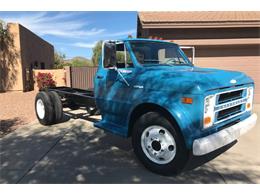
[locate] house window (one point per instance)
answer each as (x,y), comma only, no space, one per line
(35,65)
(42,65)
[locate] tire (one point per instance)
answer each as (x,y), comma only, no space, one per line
(44,108)
(158,144)
(57,106)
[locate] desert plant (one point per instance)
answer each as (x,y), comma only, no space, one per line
(59,60)
(45,80)
(96,53)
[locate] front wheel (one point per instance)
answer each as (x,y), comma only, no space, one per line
(158,144)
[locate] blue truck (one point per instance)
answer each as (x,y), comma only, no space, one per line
(150,91)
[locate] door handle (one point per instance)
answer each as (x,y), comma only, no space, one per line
(99,77)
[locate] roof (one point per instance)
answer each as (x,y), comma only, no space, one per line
(216,42)
(200,19)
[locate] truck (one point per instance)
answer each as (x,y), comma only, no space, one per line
(150,90)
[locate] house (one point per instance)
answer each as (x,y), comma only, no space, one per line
(225,40)
(21,52)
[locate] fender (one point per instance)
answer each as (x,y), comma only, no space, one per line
(176,110)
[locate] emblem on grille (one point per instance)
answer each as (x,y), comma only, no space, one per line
(233,81)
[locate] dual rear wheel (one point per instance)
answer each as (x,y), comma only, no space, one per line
(48,108)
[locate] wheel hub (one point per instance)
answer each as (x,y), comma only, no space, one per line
(158,144)
(40,109)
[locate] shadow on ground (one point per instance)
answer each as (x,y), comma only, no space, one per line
(76,152)
(9,125)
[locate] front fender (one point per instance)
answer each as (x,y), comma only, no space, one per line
(186,116)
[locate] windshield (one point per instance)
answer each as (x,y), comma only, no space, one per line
(150,53)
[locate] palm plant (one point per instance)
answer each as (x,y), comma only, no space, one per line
(4,35)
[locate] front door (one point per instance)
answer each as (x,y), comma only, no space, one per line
(113,80)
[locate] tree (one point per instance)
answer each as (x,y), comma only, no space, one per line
(96,53)
(59,60)
(8,58)
(4,36)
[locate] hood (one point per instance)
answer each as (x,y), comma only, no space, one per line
(193,80)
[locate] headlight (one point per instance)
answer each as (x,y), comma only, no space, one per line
(250,95)
(209,103)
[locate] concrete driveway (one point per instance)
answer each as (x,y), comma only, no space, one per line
(76,152)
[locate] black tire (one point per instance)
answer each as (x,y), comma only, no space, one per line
(181,157)
(47,118)
(57,106)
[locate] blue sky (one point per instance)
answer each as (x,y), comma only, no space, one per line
(75,33)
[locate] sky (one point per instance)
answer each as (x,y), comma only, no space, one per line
(75,33)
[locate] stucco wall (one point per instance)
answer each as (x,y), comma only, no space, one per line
(24,51)
(34,49)
(11,77)
(35,53)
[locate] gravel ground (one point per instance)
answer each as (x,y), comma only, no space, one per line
(16,109)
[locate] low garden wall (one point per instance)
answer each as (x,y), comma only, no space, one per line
(58,75)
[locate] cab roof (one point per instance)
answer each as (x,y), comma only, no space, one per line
(143,39)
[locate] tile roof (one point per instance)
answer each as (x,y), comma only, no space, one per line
(201,17)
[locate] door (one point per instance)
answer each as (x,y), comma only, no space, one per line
(113,82)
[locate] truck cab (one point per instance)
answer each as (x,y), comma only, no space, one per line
(141,82)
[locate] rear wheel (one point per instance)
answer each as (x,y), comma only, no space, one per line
(44,108)
(158,145)
(57,106)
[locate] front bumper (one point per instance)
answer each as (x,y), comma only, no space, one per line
(219,139)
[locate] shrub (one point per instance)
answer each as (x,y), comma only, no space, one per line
(45,80)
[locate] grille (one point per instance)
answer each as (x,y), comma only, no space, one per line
(228,112)
(230,96)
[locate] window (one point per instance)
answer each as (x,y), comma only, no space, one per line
(42,65)
(158,53)
(117,54)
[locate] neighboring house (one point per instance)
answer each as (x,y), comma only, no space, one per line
(224,40)
(23,52)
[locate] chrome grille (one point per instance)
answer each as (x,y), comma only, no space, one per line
(228,112)
(229,96)
(230,104)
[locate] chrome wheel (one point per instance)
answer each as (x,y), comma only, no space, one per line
(158,144)
(40,109)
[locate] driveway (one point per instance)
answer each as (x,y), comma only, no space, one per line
(76,152)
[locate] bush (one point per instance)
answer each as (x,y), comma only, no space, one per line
(45,80)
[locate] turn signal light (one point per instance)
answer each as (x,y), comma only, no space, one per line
(248,105)
(186,100)
(207,120)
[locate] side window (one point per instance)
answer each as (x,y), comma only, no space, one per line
(129,62)
(123,59)
(120,56)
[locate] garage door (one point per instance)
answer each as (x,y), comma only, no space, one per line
(238,58)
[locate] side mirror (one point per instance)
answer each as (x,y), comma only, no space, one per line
(109,54)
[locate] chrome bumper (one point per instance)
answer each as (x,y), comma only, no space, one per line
(217,140)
